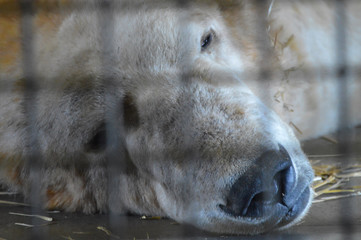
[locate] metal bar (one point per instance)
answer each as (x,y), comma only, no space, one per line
(188,178)
(116,157)
(345,133)
(6,84)
(263,44)
(34,159)
(265,71)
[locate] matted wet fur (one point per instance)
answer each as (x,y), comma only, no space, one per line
(197,131)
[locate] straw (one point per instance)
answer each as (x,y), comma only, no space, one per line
(330,180)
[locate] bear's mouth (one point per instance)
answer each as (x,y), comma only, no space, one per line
(262,204)
(273,209)
(298,208)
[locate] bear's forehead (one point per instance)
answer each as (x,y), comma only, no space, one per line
(152,22)
(151,40)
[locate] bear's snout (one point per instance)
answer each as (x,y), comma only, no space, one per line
(267,183)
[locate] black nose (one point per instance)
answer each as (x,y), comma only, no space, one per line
(262,186)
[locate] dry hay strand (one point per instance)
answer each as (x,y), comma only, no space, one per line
(330,182)
(14,203)
(108,232)
(45,218)
(151,217)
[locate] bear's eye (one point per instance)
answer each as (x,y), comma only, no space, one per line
(207,40)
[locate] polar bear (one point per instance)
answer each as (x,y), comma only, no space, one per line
(192,111)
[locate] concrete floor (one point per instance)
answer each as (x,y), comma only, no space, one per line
(337,219)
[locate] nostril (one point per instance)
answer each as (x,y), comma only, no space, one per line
(287,179)
(256,192)
(272,194)
(283,183)
(265,197)
(287,173)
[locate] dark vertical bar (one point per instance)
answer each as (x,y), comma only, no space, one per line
(266,71)
(113,112)
(188,177)
(263,42)
(264,74)
(33,161)
(344,134)
(184,4)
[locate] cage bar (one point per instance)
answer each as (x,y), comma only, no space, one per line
(115,143)
(34,158)
(345,133)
